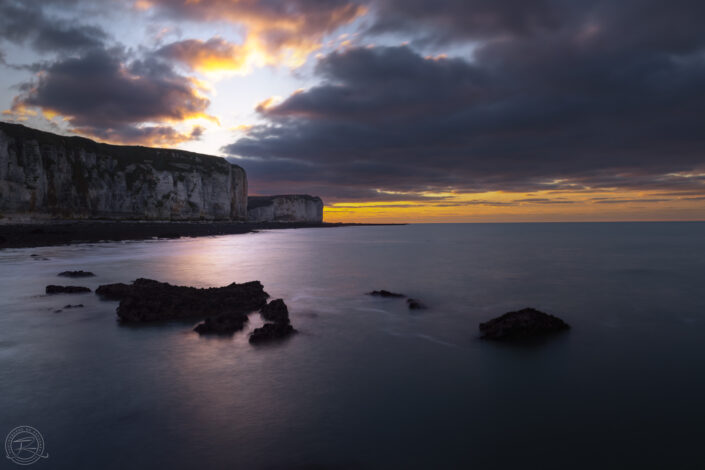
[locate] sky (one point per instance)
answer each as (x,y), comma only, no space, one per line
(390,110)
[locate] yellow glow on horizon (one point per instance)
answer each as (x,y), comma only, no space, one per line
(537,206)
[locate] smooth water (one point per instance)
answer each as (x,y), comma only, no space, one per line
(367,383)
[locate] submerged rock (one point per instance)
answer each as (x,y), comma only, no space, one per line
(275,311)
(51,289)
(525,323)
(147,300)
(222,324)
(271,332)
(415,304)
(76,274)
(73,306)
(384,293)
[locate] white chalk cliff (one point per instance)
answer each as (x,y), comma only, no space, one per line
(285,208)
(47,175)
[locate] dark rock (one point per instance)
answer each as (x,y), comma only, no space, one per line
(271,332)
(222,324)
(115,291)
(76,274)
(275,311)
(147,300)
(384,293)
(66,289)
(525,323)
(73,306)
(415,304)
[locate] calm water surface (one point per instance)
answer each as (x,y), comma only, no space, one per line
(367,383)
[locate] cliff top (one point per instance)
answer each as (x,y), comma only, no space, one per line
(253,202)
(124,154)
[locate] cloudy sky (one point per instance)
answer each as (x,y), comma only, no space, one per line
(391,110)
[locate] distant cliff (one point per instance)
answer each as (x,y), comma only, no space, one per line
(285,208)
(47,175)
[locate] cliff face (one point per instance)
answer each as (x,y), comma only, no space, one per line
(285,208)
(47,175)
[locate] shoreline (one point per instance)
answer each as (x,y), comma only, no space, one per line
(32,235)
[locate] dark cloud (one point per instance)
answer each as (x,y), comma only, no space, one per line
(106,94)
(27,21)
(585,99)
(454,20)
(647,22)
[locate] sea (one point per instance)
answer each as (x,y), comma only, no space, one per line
(366,382)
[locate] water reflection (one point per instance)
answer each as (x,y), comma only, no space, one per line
(366,383)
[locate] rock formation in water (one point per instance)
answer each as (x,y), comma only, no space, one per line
(275,311)
(146,300)
(277,326)
(44,175)
(52,289)
(285,208)
(222,324)
(80,273)
(384,293)
(522,324)
(270,332)
(415,304)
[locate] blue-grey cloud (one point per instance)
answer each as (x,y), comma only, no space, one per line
(585,98)
(28,21)
(108,94)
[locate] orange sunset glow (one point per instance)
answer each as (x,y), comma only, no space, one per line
(528,207)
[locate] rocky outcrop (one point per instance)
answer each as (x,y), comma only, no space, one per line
(69,306)
(275,311)
(43,175)
(522,324)
(146,300)
(222,324)
(278,326)
(384,293)
(415,304)
(79,273)
(270,332)
(285,208)
(52,289)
